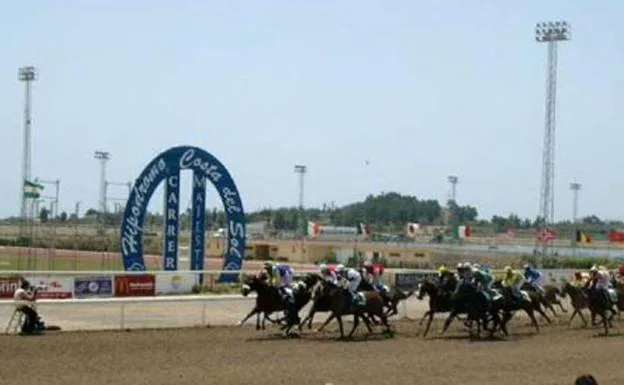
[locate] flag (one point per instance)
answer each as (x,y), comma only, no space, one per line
(546,235)
(582,237)
(32,189)
(364,229)
(616,236)
(462,232)
(411,229)
(314,229)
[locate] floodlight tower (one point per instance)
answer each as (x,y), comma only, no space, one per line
(575,187)
(550,33)
(452,179)
(103,157)
(27,75)
(301,170)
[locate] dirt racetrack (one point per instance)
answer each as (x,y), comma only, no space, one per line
(230,355)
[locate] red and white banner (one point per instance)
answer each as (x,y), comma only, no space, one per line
(8,286)
(53,287)
(546,235)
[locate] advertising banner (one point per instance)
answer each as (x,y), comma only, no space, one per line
(93,287)
(135,285)
(8,286)
(176,283)
(53,287)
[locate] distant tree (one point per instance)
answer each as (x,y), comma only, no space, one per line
(63,217)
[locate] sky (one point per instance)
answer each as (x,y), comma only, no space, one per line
(373,96)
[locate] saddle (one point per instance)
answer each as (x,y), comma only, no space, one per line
(613,295)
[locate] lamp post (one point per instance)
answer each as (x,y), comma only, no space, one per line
(550,33)
(27,75)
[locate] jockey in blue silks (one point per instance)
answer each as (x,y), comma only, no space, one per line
(536,278)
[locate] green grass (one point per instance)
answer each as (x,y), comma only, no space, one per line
(62,263)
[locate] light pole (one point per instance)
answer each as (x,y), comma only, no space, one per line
(103,157)
(301,170)
(575,187)
(27,75)
(550,33)
(452,179)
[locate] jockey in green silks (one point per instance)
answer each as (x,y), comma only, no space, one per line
(484,279)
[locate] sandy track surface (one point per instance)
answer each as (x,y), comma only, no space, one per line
(230,355)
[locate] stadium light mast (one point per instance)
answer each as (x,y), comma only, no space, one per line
(550,33)
(103,157)
(27,75)
(452,179)
(575,187)
(301,171)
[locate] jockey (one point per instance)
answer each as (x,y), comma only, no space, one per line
(580,279)
(484,280)
(373,275)
(600,280)
(447,279)
(353,278)
(329,273)
(285,274)
(513,280)
(467,271)
(535,277)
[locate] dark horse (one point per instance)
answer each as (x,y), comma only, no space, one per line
(578,299)
(342,304)
(269,299)
(549,297)
(440,300)
(470,300)
(599,303)
(509,304)
(391,298)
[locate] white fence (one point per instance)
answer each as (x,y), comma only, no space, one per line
(8,305)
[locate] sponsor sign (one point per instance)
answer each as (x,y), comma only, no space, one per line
(176,283)
(8,286)
(52,287)
(135,285)
(89,287)
(409,281)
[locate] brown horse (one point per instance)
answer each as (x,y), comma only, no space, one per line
(440,301)
(342,304)
(578,299)
(265,304)
(548,297)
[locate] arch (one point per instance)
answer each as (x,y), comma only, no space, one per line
(166,167)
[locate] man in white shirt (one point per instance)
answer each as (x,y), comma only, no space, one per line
(24,302)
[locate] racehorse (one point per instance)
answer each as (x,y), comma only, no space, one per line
(578,299)
(509,304)
(269,299)
(548,297)
(599,304)
(440,301)
(391,298)
(341,303)
(468,299)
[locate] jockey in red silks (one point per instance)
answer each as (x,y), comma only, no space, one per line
(373,274)
(329,273)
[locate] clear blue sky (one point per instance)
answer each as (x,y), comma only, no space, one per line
(421,89)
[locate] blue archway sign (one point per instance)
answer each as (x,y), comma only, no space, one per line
(166,167)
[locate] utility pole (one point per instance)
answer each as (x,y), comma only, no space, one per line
(301,171)
(550,33)
(452,179)
(77,210)
(103,157)
(27,75)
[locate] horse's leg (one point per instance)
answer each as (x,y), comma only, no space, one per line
(367,323)
(574,313)
(331,317)
(542,313)
(506,317)
(548,305)
(558,302)
(534,322)
(340,326)
(356,323)
(429,321)
(251,313)
(427,313)
(310,316)
(448,321)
